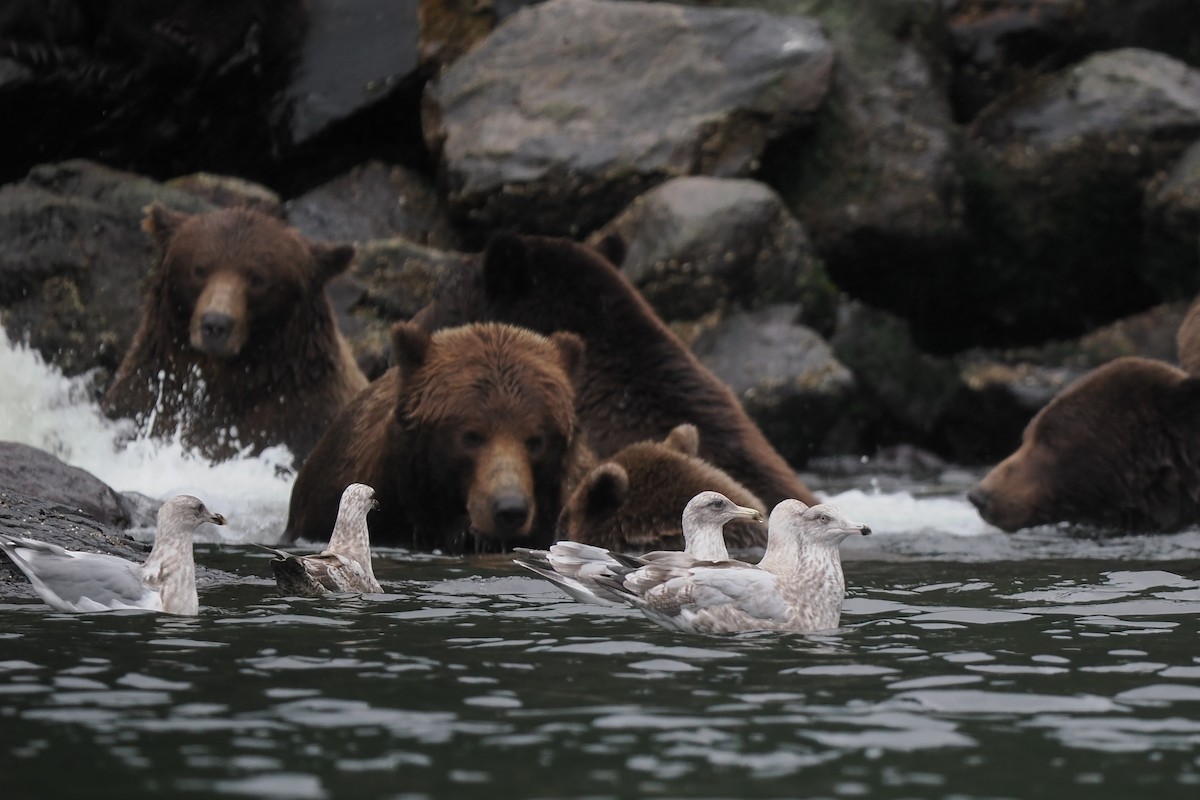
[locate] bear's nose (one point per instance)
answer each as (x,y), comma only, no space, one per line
(215,329)
(510,511)
(980,499)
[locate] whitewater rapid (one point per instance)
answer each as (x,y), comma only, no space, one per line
(41,407)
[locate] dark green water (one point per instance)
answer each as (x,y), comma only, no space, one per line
(1042,677)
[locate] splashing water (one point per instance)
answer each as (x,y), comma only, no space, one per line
(44,409)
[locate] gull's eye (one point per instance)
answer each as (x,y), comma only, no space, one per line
(717,504)
(824,519)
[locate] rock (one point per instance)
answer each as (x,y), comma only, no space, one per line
(28,470)
(557,139)
(373,201)
(786,376)
(876,181)
(1171,215)
(1056,186)
(395,278)
(696,245)
(1000,44)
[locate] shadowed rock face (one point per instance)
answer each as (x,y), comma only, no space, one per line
(652,91)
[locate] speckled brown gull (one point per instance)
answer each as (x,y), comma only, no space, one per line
(344,566)
(576,567)
(69,580)
(798,585)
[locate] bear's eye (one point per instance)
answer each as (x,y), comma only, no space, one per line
(472,439)
(256,281)
(200,272)
(535,445)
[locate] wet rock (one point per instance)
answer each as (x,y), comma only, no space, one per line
(1171,214)
(1056,185)
(698,245)
(558,139)
(374,201)
(28,470)
(786,376)
(876,182)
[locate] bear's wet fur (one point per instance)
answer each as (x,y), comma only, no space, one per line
(633,502)
(238,346)
(1117,449)
(640,380)
(470,436)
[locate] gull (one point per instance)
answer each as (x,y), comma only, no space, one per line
(797,586)
(576,567)
(69,580)
(343,566)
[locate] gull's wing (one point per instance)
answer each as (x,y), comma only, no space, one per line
(75,581)
(716,597)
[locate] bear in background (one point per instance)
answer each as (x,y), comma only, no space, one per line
(1118,448)
(472,434)
(640,380)
(238,346)
(633,502)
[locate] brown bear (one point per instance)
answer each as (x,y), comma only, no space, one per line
(238,345)
(640,380)
(1118,448)
(633,502)
(472,432)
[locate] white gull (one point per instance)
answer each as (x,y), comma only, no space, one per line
(69,580)
(345,565)
(576,567)
(798,585)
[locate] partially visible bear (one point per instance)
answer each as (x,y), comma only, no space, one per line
(1118,448)
(238,346)
(633,502)
(640,380)
(471,435)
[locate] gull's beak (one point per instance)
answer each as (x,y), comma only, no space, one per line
(752,513)
(216,519)
(374,504)
(865,530)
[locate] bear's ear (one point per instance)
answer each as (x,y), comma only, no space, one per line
(506,267)
(684,439)
(612,247)
(161,222)
(570,352)
(410,346)
(332,259)
(607,488)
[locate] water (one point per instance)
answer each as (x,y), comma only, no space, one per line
(970,664)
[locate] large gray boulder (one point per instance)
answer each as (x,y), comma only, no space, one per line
(1056,186)
(876,182)
(786,376)
(35,472)
(571,108)
(1171,215)
(698,245)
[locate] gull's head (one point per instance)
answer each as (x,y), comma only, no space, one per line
(713,509)
(359,499)
(188,512)
(819,524)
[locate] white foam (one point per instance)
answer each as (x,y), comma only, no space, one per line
(42,408)
(901,512)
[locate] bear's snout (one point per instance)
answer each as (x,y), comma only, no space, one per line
(215,330)
(219,321)
(500,501)
(510,510)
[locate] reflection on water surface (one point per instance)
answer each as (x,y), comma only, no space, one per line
(964,679)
